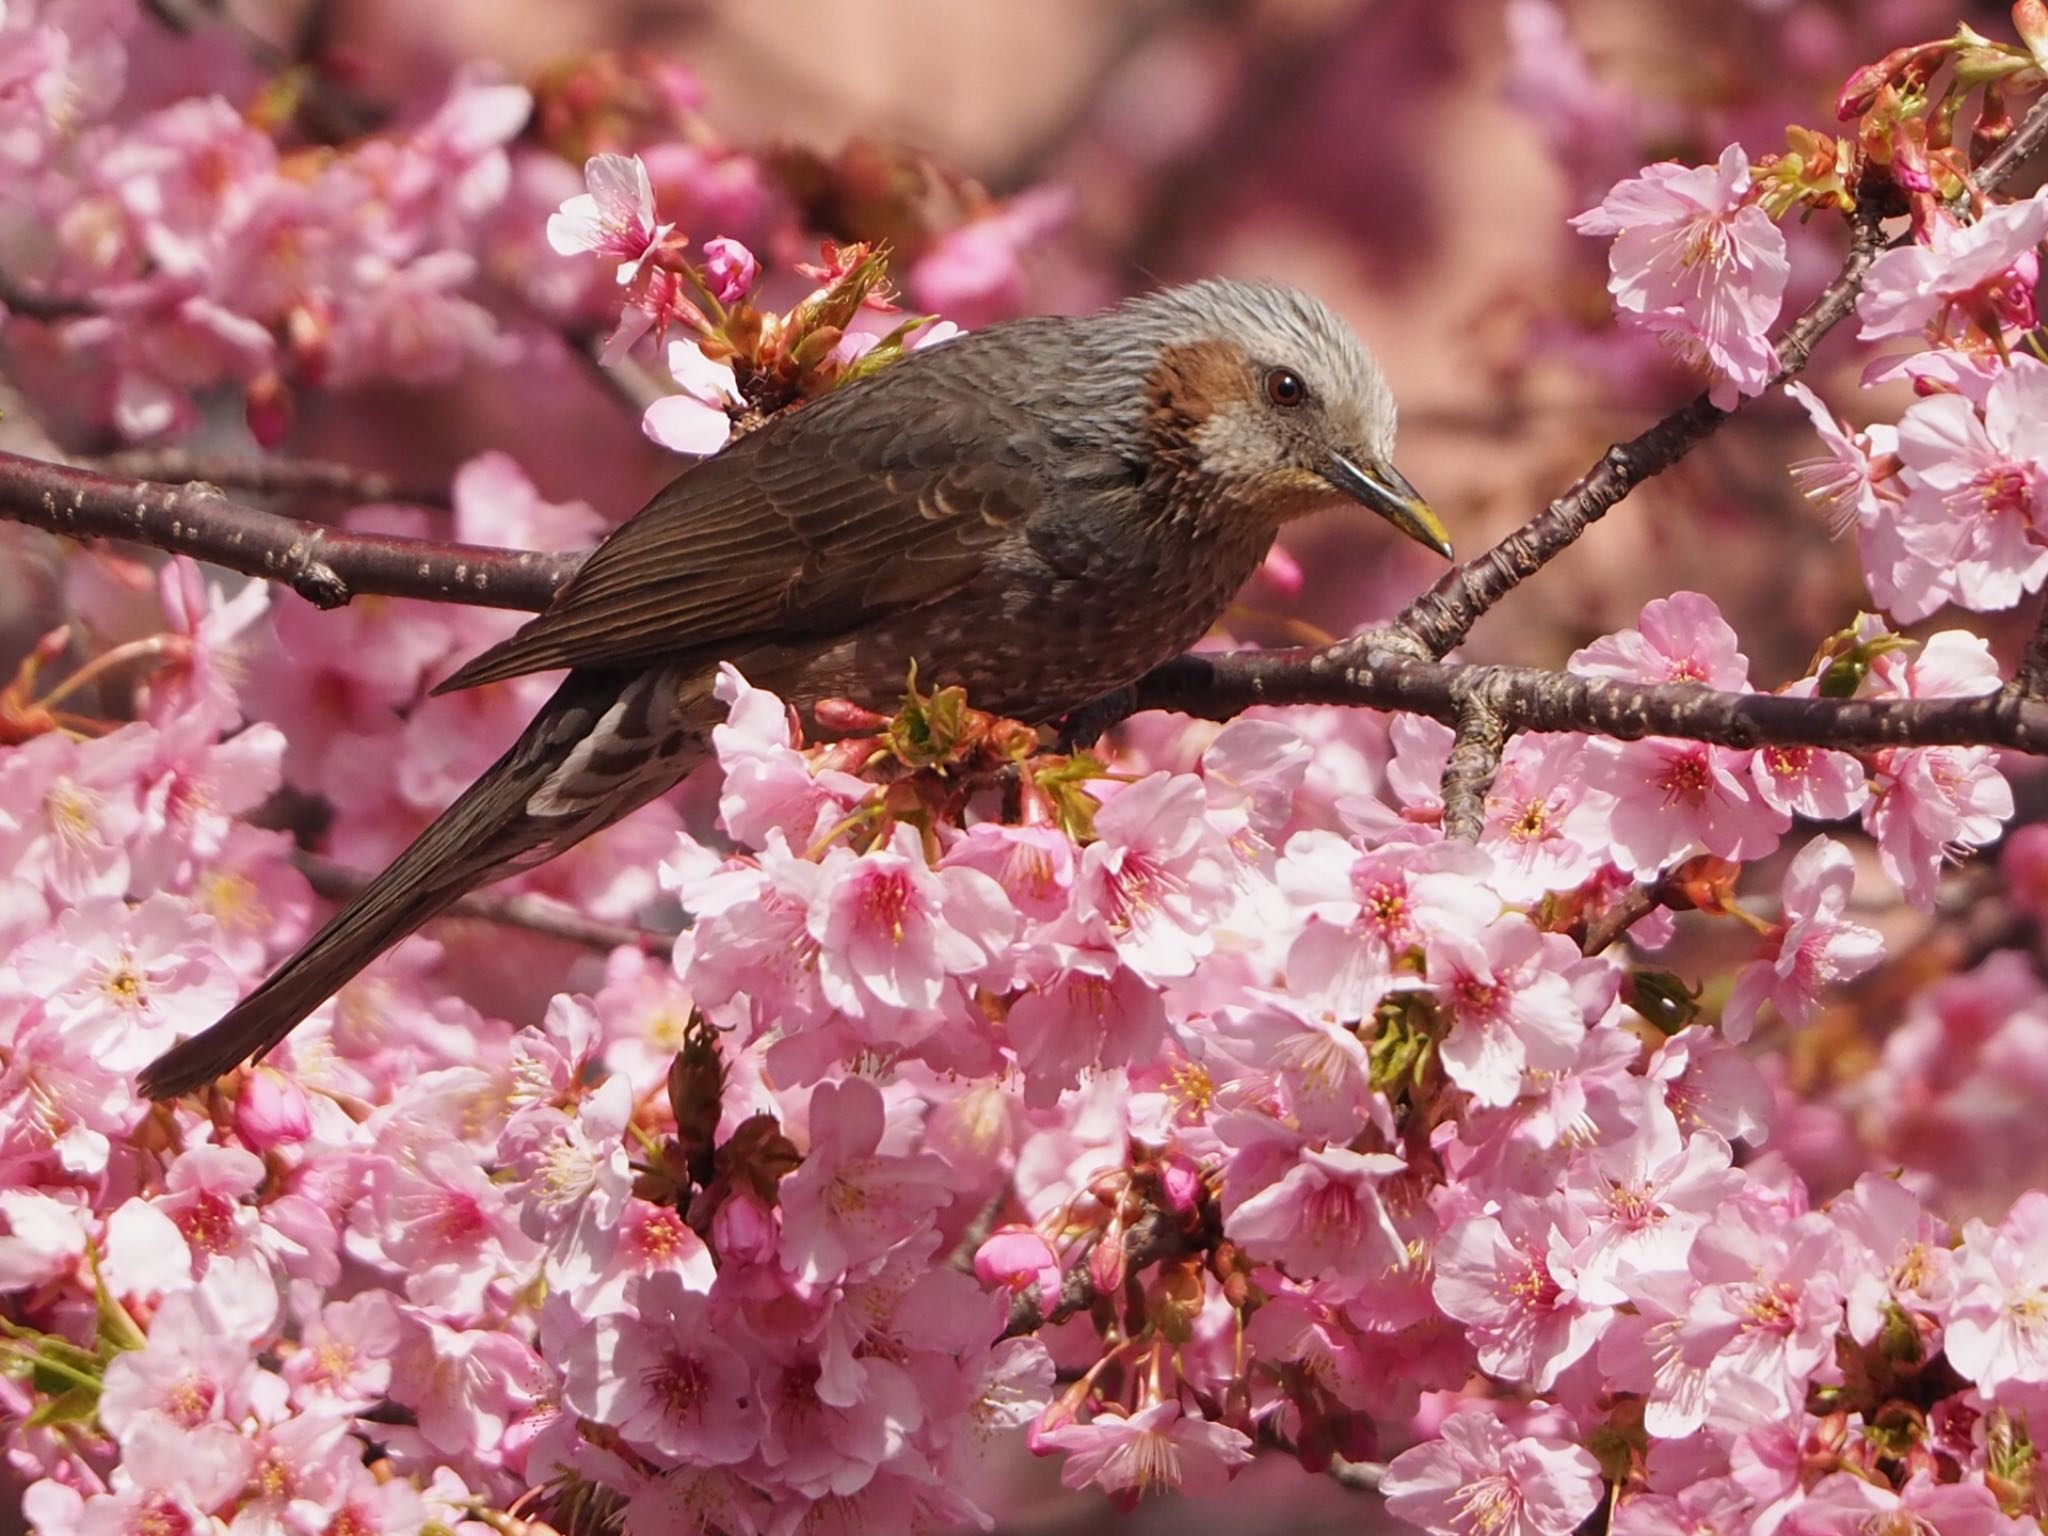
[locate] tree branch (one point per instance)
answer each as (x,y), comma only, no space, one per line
(1218,686)
(1469,771)
(269,477)
(330,567)
(324,565)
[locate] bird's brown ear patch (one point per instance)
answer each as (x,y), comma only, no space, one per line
(1189,384)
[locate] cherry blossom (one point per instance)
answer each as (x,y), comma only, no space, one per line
(1479,1477)
(615,217)
(1811,946)
(1962,269)
(1696,260)
(1156,1449)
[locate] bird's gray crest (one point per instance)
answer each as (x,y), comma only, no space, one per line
(1284,327)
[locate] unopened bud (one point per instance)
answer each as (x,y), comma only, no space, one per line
(271,1111)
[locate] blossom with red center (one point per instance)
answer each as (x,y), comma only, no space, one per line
(892,931)
(1672,798)
(1509,1277)
(1812,945)
(1678,639)
(662,1375)
(1974,482)
(1511,1006)
(1931,805)
(1854,483)
(1324,1216)
(1154,880)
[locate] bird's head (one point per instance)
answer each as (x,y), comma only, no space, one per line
(1276,403)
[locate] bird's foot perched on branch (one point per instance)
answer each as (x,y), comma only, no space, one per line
(1092,721)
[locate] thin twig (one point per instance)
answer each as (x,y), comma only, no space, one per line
(1469,771)
(535,914)
(22,303)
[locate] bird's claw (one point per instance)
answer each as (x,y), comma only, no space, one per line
(1088,724)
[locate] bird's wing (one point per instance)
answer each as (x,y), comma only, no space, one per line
(813,524)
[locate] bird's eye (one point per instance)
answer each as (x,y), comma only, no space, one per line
(1284,387)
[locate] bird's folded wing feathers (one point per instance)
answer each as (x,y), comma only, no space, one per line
(813,524)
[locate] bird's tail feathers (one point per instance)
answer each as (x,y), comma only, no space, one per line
(482,833)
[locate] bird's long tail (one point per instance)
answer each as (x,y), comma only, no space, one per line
(584,762)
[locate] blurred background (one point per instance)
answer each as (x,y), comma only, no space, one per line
(1411,161)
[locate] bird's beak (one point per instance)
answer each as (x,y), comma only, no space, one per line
(1382,487)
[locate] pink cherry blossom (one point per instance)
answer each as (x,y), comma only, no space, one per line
(1929,805)
(662,1376)
(1695,259)
(1681,639)
(974,272)
(1510,1278)
(890,929)
(1478,1479)
(1972,484)
(1853,484)
(1154,878)
(699,419)
(1511,1008)
(1811,947)
(851,1202)
(1158,1449)
(1961,269)
(1674,798)
(615,217)
(1843,1504)
(1544,828)
(1324,1216)
(2001,1286)
(132,980)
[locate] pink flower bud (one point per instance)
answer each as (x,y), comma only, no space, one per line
(729,269)
(1183,1184)
(743,1231)
(271,1111)
(1015,1258)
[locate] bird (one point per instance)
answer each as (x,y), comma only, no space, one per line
(1040,511)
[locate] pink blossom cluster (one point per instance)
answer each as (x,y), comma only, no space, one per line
(1947,503)
(1336,1105)
(204,254)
